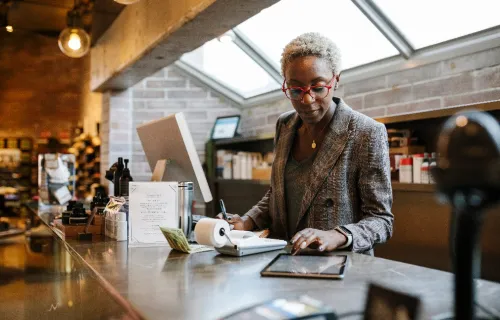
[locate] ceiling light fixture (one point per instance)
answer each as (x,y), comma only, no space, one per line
(74,41)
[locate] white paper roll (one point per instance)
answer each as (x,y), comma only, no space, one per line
(207,232)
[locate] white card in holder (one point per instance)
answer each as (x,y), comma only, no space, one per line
(151,204)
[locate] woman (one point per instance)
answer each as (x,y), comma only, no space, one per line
(330,184)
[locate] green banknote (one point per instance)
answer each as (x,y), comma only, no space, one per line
(178,241)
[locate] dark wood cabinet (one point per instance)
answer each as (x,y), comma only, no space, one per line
(238,195)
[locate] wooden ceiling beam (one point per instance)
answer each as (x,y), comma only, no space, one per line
(150,35)
(37,17)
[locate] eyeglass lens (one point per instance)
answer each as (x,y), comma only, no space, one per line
(298,94)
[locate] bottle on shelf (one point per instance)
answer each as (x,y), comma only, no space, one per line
(432,165)
(424,178)
(406,170)
(117,176)
(125,180)
(418,160)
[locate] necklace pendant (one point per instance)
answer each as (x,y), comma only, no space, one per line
(313,145)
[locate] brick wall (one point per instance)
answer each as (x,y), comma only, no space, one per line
(468,79)
(91,103)
(162,94)
(105,145)
(116,130)
(40,88)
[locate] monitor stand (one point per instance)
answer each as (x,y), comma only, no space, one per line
(160,170)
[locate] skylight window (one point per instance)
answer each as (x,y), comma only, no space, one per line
(358,39)
(228,64)
(423,23)
(428,22)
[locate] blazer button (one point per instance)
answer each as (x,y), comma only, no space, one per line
(329,203)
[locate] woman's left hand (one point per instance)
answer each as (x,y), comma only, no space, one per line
(314,238)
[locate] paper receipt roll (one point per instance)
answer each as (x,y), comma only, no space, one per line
(208,232)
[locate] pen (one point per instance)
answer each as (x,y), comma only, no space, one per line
(223,208)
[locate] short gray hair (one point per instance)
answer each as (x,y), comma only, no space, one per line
(312,44)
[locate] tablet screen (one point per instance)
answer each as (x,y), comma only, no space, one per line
(303,265)
(225,127)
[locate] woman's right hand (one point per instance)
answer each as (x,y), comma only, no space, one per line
(239,223)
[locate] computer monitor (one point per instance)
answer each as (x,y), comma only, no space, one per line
(169,138)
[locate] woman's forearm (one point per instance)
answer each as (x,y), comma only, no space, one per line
(248,223)
(259,214)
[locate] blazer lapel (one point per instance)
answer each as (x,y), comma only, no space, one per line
(283,147)
(328,154)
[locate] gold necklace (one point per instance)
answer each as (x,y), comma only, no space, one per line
(313,144)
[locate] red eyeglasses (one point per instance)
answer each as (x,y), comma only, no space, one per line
(298,93)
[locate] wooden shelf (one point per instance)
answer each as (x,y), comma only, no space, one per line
(407,150)
(244,139)
(413,187)
(446,112)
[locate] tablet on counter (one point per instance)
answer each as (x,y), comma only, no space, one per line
(307,266)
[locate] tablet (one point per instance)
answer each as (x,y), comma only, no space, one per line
(307,266)
(225,127)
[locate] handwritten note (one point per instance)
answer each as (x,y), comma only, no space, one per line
(152,204)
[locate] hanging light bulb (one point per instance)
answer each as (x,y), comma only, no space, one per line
(9,28)
(126,2)
(74,41)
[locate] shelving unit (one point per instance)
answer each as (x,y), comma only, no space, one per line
(427,125)
(237,194)
(87,150)
(18,172)
(240,195)
(421,223)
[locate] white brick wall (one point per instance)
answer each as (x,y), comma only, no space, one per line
(464,80)
(262,119)
(116,131)
(468,79)
(159,95)
(104,132)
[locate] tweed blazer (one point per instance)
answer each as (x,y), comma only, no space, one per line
(349,184)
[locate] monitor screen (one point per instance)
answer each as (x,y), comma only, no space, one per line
(225,127)
(169,139)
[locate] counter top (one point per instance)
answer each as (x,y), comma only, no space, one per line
(164,284)
(41,279)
